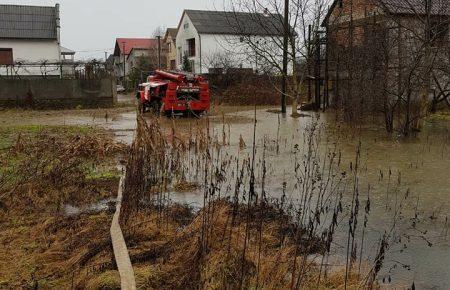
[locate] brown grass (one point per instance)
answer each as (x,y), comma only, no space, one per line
(172,255)
(42,171)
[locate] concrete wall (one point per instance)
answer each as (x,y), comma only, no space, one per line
(58,93)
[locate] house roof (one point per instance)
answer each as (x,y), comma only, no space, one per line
(235,23)
(130,43)
(28,22)
(66,51)
(172,32)
(439,7)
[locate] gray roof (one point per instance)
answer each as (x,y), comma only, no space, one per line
(66,51)
(408,7)
(172,32)
(28,22)
(438,7)
(236,23)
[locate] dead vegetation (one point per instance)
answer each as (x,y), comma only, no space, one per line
(241,239)
(245,89)
(43,170)
(173,254)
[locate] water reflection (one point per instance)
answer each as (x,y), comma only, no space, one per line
(416,168)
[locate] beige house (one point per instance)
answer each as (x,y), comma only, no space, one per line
(170,45)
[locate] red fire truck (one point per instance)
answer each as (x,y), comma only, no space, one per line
(173,93)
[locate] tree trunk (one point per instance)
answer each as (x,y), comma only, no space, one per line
(294,106)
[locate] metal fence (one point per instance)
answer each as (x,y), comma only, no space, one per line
(62,70)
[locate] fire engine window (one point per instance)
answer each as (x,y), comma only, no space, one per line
(191,47)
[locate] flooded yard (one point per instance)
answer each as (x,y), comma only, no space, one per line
(409,179)
(409,183)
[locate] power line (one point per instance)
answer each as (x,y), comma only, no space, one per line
(95,50)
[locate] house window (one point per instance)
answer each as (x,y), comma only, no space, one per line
(173,64)
(169,47)
(186,25)
(6,56)
(191,47)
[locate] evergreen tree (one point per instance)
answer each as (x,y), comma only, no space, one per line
(186,66)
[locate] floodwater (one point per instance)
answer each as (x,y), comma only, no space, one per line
(419,249)
(419,165)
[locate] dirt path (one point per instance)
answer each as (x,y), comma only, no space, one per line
(127,279)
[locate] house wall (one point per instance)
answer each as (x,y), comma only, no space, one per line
(220,51)
(171,54)
(32,51)
(360,9)
(386,60)
(119,67)
(187,31)
(132,59)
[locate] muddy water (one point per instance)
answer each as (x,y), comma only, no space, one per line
(419,254)
(419,168)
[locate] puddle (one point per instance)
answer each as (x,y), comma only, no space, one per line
(102,205)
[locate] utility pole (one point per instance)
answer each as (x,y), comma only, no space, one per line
(159,51)
(124,60)
(285,56)
(317,76)
(308,63)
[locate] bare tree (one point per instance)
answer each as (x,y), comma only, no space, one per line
(406,47)
(268,46)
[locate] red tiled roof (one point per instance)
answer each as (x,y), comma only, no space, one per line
(131,43)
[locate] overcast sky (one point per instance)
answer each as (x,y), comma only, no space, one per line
(91,26)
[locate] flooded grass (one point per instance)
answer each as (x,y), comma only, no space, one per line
(231,235)
(286,206)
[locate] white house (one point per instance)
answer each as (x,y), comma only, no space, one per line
(218,40)
(29,34)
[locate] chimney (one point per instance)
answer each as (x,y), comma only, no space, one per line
(58,23)
(58,30)
(266,12)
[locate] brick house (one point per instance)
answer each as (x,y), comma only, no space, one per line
(170,48)
(378,51)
